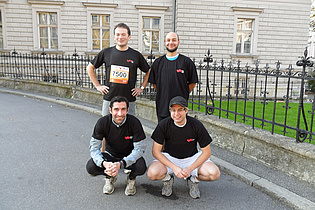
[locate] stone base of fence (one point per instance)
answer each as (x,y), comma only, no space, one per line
(276,151)
(60,90)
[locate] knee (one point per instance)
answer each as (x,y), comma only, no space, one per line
(151,173)
(216,175)
(91,168)
(209,172)
(154,173)
(141,166)
(142,169)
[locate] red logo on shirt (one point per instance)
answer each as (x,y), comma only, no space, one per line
(180,71)
(190,140)
(128,137)
(130,61)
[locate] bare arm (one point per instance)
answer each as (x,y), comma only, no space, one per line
(91,72)
(146,78)
(191,86)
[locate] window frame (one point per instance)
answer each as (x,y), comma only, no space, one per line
(243,32)
(246,13)
(99,9)
(49,26)
(36,38)
(151,30)
(100,28)
(151,11)
(4,36)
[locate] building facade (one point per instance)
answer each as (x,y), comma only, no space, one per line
(249,30)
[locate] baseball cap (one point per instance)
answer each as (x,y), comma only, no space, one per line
(179,100)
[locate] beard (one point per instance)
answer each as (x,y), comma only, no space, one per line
(173,50)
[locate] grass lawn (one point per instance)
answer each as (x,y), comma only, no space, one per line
(265,111)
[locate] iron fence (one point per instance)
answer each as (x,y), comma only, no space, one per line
(248,94)
(259,96)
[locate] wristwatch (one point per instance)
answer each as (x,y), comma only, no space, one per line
(142,88)
(122,164)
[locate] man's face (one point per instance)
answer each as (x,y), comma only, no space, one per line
(178,114)
(171,42)
(121,37)
(119,112)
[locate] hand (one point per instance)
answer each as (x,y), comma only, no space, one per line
(136,91)
(111,169)
(178,172)
(186,172)
(103,89)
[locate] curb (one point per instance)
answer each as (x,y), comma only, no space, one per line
(282,194)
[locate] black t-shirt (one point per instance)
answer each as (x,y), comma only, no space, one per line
(172,79)
(181,142)
(119,140)
(121,70)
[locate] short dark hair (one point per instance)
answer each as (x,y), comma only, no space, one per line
(118,99)
(123,25)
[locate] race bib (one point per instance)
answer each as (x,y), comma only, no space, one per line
(119,74)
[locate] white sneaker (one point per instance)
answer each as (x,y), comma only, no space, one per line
(109,187)
(167,186)
(127,171)
(131,187)
(193,189)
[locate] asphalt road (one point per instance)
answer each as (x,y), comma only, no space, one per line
(43,152)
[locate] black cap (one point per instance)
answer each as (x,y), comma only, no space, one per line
(179,100)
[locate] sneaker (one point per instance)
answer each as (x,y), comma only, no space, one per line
(109,187)
(167,186)
(131,187)
(127,171)
(193,189)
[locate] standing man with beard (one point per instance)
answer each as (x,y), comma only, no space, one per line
(172,75)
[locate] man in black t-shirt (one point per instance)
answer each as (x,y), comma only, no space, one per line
(180,134)
(172,75)
(125,146)
(121,64)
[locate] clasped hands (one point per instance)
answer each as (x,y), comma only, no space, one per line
(111,169)
(182,173)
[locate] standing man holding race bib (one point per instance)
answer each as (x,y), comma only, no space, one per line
(121,63)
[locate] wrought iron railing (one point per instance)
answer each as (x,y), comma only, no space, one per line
(220,85)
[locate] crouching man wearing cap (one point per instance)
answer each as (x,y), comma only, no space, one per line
(180,134)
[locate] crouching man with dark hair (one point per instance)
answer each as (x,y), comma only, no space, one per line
(125,146)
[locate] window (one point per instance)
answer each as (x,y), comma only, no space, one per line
(1,34)
(46,25)
(246,22)
(244,35)
(100,31)
(150,34)
(48,30)
(151,29)
(100,24)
